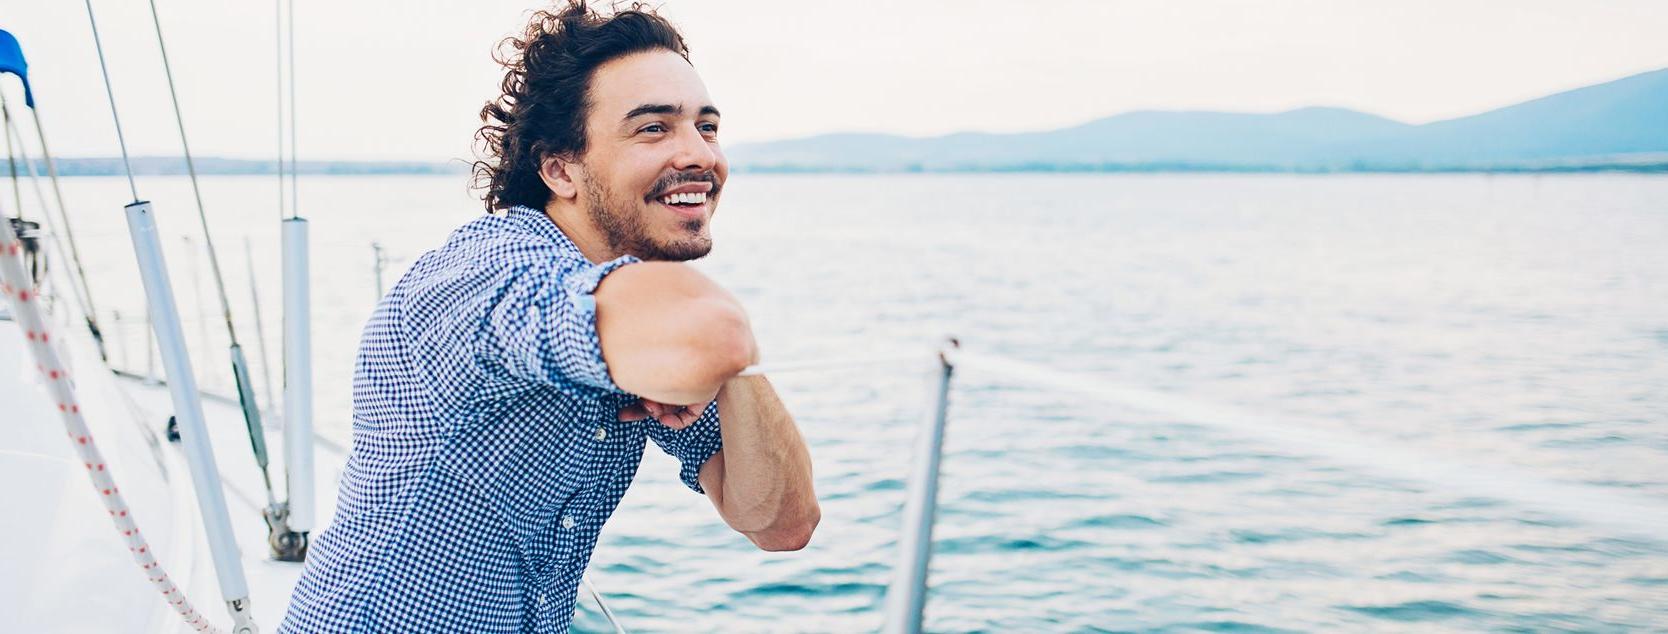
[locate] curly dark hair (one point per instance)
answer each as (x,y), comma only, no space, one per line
(546,92)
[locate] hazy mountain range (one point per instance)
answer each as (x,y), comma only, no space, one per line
(1617,125)
(1621,124)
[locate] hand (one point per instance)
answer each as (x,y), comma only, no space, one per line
(674,416)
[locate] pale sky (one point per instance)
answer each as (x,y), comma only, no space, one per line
(386,79)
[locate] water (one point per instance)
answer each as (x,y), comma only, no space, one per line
(1512,320)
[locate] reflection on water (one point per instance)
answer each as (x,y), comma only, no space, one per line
(1518,319)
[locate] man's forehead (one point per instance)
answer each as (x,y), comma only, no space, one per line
(650,77)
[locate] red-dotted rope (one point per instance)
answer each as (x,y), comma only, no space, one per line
(24,301)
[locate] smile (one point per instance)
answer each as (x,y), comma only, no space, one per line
(685,199)
(689,205)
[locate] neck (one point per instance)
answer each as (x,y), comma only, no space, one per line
(573,222)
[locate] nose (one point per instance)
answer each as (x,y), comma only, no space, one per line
(693,152)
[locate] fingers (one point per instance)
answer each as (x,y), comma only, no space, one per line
(673,416)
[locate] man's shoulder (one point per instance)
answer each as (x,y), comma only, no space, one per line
(507,234)
(488,253)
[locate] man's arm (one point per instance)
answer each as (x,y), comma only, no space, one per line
(670,334)
(761,480)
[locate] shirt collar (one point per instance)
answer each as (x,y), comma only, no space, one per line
(540,223)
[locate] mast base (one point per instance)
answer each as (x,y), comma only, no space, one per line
(286,544)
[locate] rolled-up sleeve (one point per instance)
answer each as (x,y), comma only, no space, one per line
(692,445)
(543,328)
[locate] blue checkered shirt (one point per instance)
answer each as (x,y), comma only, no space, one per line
(486,450)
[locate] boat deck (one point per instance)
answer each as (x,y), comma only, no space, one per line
(71,571)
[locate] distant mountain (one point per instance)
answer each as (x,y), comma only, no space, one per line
(1623,123)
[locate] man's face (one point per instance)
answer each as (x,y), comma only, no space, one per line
(652,168)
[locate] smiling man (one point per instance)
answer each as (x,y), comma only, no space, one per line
(507,386)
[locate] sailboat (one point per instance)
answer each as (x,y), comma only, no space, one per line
(178,518)
(161,454)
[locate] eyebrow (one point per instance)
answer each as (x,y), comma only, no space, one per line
(663,108)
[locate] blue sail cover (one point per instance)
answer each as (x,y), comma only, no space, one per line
(11,61)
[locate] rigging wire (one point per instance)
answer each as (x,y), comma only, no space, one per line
(260,329)
(240,372)
(238,607)
(11,161)
(295,193)
(278,59)
(109,92)
(69,232)
(81,295)
(91,309)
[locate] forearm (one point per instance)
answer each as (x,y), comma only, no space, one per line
(766,491)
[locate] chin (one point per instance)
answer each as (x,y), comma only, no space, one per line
(686,251)
(681,250)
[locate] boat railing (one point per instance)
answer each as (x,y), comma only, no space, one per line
(1603,508)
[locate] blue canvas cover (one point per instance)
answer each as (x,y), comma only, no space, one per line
(11,61)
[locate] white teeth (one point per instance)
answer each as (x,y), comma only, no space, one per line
(685,198)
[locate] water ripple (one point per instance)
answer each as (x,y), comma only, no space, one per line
(1417,611)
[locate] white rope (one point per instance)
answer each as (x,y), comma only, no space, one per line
(1631,514)
(22,297)
(825,364)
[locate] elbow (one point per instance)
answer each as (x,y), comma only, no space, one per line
(670,335)
(712,343)
(795,536)
(723,344)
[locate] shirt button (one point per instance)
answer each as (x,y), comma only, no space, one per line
(567,521)
(541,599)
(601,433)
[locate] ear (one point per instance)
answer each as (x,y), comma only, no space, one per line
(561,176)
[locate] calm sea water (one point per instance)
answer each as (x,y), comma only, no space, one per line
(1513,320)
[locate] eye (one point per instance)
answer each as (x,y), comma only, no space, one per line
(655,128)
(707,127)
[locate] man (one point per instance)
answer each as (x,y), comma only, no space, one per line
(506,387)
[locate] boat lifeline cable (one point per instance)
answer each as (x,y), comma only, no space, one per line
(11,162)
(1609,508)
(182,382)
(78,284)
(21,297)
(240,366)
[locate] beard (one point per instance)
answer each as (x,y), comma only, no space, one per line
(623,225)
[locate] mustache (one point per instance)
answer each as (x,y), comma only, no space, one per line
(683,178)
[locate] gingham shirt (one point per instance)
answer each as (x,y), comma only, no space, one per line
(486,450)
